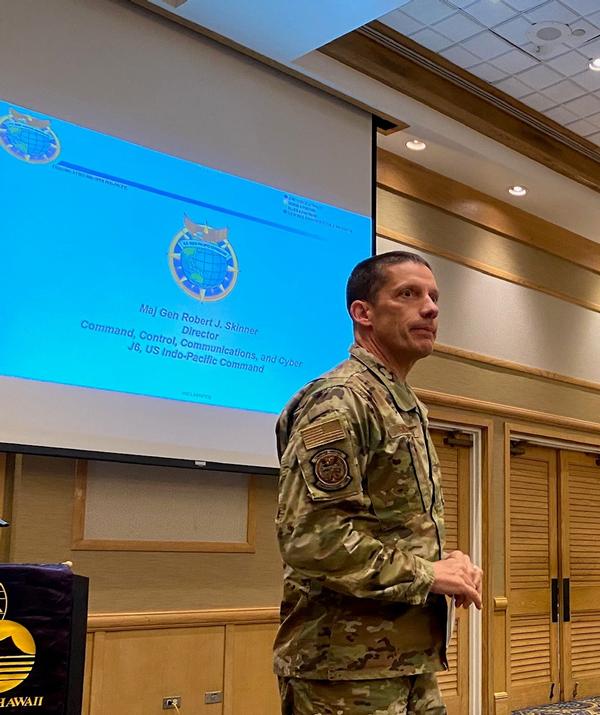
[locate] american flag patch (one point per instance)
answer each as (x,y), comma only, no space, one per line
(323,433)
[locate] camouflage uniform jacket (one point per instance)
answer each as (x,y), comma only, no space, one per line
(359,521)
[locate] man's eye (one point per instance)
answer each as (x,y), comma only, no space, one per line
(406,293)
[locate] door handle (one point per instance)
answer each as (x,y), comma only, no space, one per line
(566,599)
(554,591)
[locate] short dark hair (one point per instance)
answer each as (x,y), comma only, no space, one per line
(368,277)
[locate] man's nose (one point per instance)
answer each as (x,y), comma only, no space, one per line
(430,308)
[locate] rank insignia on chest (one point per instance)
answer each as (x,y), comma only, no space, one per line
(331,469)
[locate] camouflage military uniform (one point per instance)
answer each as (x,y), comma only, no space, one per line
(359,521)
(385,696)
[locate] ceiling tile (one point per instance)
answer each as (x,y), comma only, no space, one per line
(523,4)
(538,101)
(568,64)
(594,18)
(486,45)
(588,79)
(540,77)
(583,127)
(513,86)
(591,31)
(583,7)
(595,138)
(564,91)
(491,13)
(461,3)
(584,106)
(561,115)
(487,72)
(460,56)
(457,27)
(514,30)
(433,40)
(594,119)
(401,22)
(546,52)
(427,11)
(591,48)
(553,11)
(514,61)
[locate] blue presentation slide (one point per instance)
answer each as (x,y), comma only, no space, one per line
(128,270)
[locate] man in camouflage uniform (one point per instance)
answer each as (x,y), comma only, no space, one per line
(360,516)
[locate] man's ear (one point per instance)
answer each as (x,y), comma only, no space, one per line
(360,311)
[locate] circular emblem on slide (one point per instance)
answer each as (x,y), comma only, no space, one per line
(28,138)
(203,262)
(331,469)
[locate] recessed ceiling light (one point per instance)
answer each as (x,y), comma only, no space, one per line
(517,190)
(416,145)
(595,64)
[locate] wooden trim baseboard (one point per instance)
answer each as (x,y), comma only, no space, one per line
(180,619)
(485,268)
(431,397)
(406,178)
(516,367)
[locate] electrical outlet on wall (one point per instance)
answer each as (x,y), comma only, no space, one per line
(172,702)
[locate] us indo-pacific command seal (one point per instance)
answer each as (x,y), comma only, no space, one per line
(202,261)
(28,138)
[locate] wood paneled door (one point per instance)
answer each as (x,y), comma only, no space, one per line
(533,573)
(455,466)
(554,575)
(580,585)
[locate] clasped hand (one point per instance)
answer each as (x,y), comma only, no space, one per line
(456,575)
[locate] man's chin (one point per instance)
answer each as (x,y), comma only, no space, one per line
(425,348)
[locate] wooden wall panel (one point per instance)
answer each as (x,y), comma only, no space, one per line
(250,684)
(134,670)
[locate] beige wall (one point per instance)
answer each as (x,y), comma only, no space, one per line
(139,581)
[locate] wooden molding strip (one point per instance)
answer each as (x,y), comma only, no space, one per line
(541,434)
(180,619)
(500,603)
(406,178)
(211,547)
(431,397)
(485,268)
(380,52)
(469,356)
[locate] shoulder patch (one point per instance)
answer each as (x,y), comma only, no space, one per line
(331,469)
(323,433)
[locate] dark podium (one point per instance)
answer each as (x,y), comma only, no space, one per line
(43,612)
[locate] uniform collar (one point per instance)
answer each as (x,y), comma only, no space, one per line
(403,396)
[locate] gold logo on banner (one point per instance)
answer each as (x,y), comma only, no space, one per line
(17,653)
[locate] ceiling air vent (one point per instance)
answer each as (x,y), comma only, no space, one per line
(545,35)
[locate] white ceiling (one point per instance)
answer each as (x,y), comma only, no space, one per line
(461,153)
(280,29)
(491,39)
(455,150)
